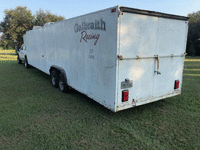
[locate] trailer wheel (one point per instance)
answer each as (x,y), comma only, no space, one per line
(26,63)
(63,84)
(54,78)
(19,61)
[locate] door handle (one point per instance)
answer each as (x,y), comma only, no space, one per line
(157,60)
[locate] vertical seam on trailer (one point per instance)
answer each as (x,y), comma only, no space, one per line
(118,52)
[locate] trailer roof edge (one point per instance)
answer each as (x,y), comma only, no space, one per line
(152,13)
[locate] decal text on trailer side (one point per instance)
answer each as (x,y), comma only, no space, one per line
(96,25)
(85,37)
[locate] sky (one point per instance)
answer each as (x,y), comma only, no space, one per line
(73,8)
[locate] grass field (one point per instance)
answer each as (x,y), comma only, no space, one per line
(34,115)
(6,55)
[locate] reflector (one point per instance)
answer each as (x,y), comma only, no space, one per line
(113,10)
(125,95)
(176,85)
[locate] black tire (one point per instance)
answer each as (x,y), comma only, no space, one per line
(26,65)
(54,78)
(19,61)
(62,83)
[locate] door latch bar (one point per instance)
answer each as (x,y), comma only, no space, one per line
(157,58)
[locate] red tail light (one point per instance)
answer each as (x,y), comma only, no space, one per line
(125,95)
(176,85)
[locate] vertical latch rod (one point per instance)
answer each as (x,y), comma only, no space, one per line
(157,58)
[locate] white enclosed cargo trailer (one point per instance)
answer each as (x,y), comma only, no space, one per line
(121,57)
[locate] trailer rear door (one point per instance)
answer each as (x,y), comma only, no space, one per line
(151,57)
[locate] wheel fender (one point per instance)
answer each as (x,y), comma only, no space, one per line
(59,69)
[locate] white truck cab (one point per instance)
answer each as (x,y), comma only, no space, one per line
(22,56)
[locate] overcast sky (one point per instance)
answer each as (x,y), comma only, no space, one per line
(74,8)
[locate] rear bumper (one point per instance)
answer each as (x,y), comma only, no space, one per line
(139,102)
(153,99)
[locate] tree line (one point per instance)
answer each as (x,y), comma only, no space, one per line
(19,20)
(193,41)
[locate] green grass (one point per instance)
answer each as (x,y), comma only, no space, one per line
(34,115)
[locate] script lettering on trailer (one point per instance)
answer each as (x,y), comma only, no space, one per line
(96,25)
